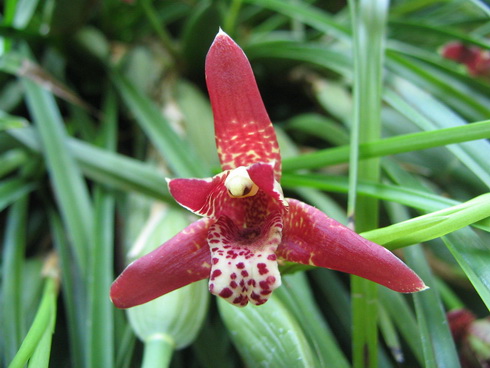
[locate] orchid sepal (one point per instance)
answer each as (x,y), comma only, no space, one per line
(178,262)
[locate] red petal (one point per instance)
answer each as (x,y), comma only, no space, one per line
(311,237)
(262,174)
(180,261)
(244,133)
(204,197)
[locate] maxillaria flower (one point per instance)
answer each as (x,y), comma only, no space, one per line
(476,60)
(472,336)
(248,225)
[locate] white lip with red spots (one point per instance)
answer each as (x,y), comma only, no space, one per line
(244,264)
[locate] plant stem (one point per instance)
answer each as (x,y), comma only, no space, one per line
(158,351)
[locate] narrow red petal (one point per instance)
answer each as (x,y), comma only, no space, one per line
(244,133)
(311,237)
(262,174)
(180,261)
(204,197)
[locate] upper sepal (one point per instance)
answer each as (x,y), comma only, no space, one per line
(244,132)
(310,237)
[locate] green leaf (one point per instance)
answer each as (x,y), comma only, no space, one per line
(42,325)
(107,167)
(14,245)
(13,189)
(432,225)
(393,145)
(172,148)
(297,296)
(437,342)
(473,255)
(69,187)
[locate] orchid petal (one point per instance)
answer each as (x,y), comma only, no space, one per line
(244,133)
(310,237)
(244,264)
(204,197)
(262,174)
(180,261)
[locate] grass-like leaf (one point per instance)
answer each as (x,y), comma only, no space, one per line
(70,189)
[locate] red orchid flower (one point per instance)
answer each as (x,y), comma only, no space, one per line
(476,60)
(248,225)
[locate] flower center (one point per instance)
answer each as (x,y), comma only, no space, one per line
(239,184)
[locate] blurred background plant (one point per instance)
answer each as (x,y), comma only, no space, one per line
(97,96)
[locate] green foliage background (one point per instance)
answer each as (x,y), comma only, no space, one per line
(101,100)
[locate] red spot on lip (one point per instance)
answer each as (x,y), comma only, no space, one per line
(215,274)
(215,260)
(245,273)
(264,285)
(271,257)
(226,293)
(262,267)
(240,265)
(233,285)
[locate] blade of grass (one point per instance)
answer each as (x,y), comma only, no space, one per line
(316,54)
(296,294)
(402,315)
(43,324)
(13,189)
(437,343)
(173,149)
(11,160)
(437,86)
(473,255)
(69,188)
(107,167)
(420,200)
(368,28)
(391,146)
(73,294)
(432,225)
(390,336)
(432,114)
(304,12)
(14,245)
(100,312)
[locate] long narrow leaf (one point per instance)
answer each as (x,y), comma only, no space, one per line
(70,189)
(14,246)
(170,145)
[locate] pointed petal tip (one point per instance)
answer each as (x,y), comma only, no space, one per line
(221,36)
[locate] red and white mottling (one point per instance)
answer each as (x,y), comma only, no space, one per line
(245,236)
(243,261)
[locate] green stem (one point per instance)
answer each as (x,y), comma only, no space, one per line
(42,322)
(158,351)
